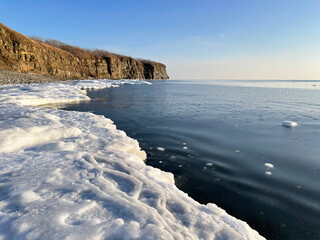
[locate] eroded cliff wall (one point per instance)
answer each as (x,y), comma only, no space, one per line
(22,54)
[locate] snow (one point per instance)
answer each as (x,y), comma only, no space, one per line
(73,175)
(289,124)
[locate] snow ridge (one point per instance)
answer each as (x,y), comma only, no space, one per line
(73,175)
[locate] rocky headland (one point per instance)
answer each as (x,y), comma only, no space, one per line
(52,60)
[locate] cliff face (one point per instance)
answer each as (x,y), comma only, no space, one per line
(23,54)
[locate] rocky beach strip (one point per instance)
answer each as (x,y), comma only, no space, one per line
(10,77)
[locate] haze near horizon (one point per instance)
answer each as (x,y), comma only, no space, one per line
(276,39)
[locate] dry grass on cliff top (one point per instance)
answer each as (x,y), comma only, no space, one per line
(17,37)
(89,53)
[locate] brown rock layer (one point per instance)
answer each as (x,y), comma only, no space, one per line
(23,54)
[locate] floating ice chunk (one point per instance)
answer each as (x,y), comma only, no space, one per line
(289,124)
(268,173)
(269,165)
(209,164)
(161,149)
(185,147)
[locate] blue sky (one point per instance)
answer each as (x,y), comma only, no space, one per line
(216,39)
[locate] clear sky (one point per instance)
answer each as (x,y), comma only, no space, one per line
(199,39)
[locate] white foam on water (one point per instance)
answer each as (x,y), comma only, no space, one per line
(73,175)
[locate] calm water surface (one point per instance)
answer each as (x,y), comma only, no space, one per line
(217,138)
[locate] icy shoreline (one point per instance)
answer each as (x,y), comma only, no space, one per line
(73,175)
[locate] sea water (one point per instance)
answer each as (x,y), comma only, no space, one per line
(224,142)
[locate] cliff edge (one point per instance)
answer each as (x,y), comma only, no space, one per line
(53,58)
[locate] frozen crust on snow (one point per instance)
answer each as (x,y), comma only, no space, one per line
(73,175)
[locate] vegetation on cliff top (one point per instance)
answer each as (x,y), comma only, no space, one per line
(84,52)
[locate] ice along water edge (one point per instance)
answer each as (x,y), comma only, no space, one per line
(84,178)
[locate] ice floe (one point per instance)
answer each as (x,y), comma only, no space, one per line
(269,165)
(161,149)
(289,124)
(73,175)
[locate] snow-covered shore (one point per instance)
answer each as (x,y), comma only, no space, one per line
(73,175)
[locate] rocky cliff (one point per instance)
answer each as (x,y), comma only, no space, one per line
(23,54)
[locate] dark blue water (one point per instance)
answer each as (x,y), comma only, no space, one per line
(217,140)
